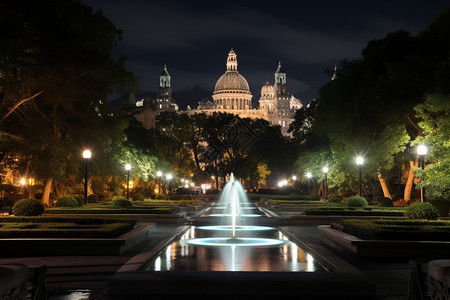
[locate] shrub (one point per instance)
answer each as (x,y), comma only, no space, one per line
(120,201)
(80,200)
(28,207)
(66,201)
(92,198)
(357,201)
(160,197)
(138,197)
(335,199)
(314,197)
(442,206)
(421,210)
(385,202)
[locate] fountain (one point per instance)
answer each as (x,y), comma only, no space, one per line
(227,254)
(232,198)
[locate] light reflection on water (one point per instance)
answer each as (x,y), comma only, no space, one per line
(184,256)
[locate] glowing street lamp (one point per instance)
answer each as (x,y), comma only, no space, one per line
(309,175)
(359,162)
(168,177)
(422,151)
(128,168)
(86,155)
(159,174)
(325,171)
(294,178)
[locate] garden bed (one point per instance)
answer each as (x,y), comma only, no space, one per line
(423,230)
(403,239)
(50,227)
(105,209)
(354,211)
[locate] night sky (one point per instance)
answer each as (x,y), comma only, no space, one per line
(194,37)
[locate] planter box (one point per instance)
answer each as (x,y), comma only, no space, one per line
(75,246)
(383,248)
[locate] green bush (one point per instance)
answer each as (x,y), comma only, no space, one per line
(335,199)
(421,210)
(138,197)
(314,197)
(385,202)
(92,198)
(28,207)
(442,206)
(80,200)
(66,201)
(160,197)
(120,201)
(357,201)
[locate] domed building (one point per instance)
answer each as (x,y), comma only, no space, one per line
(232,91)
(232,95)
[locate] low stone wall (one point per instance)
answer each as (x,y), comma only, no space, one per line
(342,241)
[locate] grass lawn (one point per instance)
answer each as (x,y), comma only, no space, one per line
(398,229)
(109,208)
(371,210)
(315,202)
(51,227)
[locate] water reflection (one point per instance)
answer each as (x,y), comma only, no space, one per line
(181,255)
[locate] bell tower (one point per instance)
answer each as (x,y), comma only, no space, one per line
(164,97)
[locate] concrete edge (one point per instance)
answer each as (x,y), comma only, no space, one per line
(383,248)
(74,246)
(137,262)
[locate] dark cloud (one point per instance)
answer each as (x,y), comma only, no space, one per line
(194,37)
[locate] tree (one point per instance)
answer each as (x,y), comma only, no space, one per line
(55,64)
(434,116)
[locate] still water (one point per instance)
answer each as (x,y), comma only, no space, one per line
(285,256)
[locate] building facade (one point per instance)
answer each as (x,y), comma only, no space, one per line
(232,95)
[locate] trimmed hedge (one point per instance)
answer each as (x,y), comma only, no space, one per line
(92,198)
(122,202)
(422,210)
(49,227)
(398,229)
(442,206)
(156,210)
(335,199)
(357,201)
(353,211)
(28,207)
(138,197)
(66,201)
(385,202)
(80,200)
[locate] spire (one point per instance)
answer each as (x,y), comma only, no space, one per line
(280,68)
(232,61)
(165,72)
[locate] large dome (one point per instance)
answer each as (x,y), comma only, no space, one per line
(231,80)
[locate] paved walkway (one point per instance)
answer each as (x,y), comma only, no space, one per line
(86,277)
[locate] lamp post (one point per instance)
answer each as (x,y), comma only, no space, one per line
(359,162)
(309,175)
(168,177)
(422,151)
(325,171)
(128,168)
(86,155)
(159,174)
